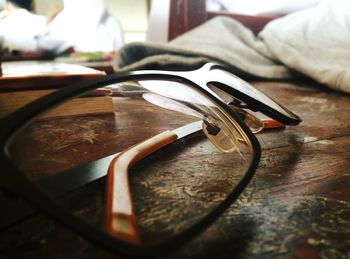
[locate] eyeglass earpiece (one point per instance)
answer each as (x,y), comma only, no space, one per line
(219,134)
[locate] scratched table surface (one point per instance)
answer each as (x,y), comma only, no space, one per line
(296,206)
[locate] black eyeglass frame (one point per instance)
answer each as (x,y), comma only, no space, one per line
(13,181)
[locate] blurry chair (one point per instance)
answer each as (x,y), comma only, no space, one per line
(171,18)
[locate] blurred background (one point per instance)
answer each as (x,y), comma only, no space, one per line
(57,27)
(64,26)
(133,15)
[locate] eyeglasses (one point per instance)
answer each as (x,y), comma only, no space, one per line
(179,149)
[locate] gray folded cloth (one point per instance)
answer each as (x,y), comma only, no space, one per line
(313,42)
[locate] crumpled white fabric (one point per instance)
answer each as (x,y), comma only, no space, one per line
(85,25)
(18,30)
(313,42)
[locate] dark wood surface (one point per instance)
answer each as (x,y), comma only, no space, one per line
(297,205)
(29,75)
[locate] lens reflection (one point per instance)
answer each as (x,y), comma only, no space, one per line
(156,187)
(236,84)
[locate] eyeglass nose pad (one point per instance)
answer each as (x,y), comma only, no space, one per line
(254,123)
(219,134)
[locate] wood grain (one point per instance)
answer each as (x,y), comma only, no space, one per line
(297,206)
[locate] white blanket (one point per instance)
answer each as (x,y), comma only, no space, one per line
(313,42)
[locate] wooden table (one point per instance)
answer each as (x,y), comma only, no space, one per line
(297,205)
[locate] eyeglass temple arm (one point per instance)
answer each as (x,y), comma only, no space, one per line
(120,216)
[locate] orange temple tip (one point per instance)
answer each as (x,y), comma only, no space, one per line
(272,124)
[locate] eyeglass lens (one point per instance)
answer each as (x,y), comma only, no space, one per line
(171,189)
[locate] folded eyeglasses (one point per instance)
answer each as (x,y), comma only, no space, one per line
(179,149)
